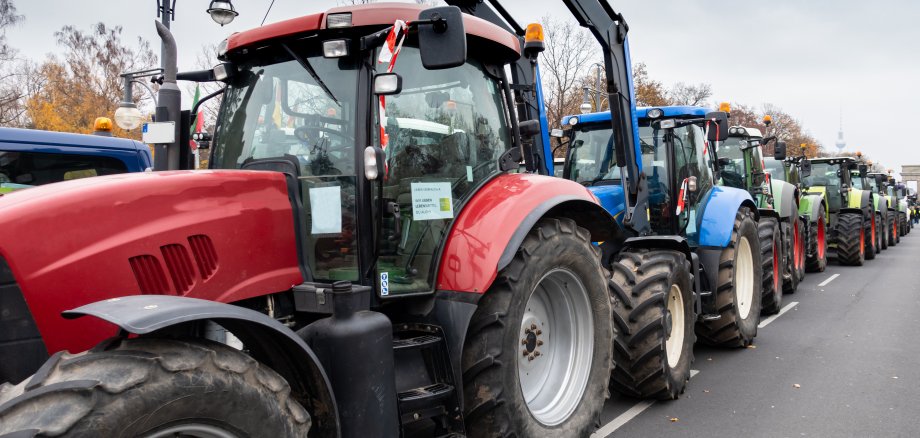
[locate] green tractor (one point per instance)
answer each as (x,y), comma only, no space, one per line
(851,218)
(887,206)
(812,209)
(741,165)
(898,193)
(864,181)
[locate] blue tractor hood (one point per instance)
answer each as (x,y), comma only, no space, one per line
(612,198)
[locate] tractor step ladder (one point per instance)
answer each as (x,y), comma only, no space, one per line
(427,395)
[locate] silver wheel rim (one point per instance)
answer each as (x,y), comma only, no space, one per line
(744,278)
(674,345)
(196,430)
(555,347)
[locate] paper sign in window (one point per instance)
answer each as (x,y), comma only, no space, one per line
(326,207)
(432,201)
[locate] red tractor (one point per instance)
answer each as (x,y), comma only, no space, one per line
(360,258)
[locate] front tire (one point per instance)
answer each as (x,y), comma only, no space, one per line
(154,387)
(798,237)
(654,315)
(538,352)
(738,292)
(816,260)
(771,253)
(851,239)
(893,238)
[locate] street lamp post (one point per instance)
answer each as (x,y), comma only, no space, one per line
(597,94)
(169,100)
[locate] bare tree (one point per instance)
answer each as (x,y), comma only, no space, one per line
(11,69)
(569,53)
(688,94)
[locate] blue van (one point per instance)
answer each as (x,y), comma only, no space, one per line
(31,157)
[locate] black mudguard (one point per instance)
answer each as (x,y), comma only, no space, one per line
(267,340)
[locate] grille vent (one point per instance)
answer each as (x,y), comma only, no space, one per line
(179,266)
(205,255)
(149,274)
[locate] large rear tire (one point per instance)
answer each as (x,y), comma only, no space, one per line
(893,238)
(654,316)
(902,224)
(871,237)
(538,352)
(791,241)
(799,240)
(884,228)
(771,253)
(851,239)
(738,292)
(154,388)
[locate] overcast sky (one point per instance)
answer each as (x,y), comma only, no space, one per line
(811,58)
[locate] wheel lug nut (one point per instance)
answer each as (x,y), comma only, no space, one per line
(536,353)
(539,342)
(533,326)
(525,352)
(529,358)
(524,341)
(539,332)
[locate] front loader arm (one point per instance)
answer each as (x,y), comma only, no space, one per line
(609,28)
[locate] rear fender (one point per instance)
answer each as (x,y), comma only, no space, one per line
(266,340)
(813,206)
(493,224)
(859,199)
(784,198)
(718,218)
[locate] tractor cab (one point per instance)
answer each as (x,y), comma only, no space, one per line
(833,177)
(299,102)
(741,163)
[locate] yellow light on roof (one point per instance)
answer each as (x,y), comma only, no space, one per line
(102,124)
(858,154)
(767,119)
(725,107)
(534,33)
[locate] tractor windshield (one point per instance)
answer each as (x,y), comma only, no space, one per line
(731,161)
(822,175)
(775,168)
(591,155)
(857,181)
(275,108)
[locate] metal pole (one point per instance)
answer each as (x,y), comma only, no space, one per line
(167,156)
(597,91)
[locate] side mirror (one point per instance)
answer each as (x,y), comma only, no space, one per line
(779,151)
(441,37)
(863,170)
(386,84)
(718,128)
(805,168)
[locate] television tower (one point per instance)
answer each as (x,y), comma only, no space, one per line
(841,143)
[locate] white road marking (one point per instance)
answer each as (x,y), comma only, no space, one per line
(825,282)
(781,312)
(624,418)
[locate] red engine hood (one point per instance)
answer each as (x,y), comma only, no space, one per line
(217,235)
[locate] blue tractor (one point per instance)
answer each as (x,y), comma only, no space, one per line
(692,266)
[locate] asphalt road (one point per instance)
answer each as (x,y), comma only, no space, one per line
(843,362)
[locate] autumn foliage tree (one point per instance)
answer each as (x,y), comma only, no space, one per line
(84,82)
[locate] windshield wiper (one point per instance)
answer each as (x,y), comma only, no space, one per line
(309,68)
